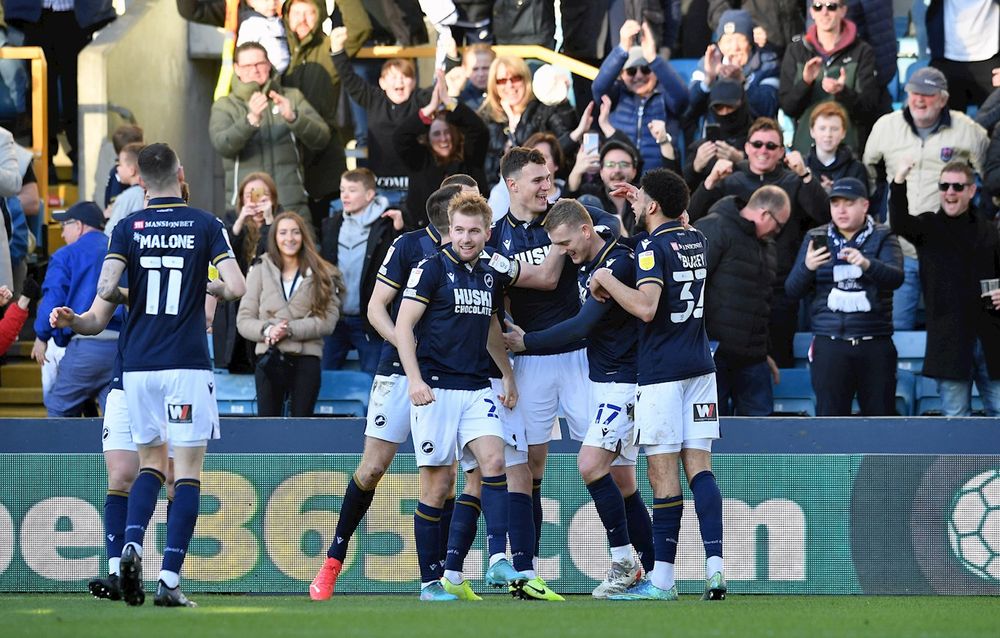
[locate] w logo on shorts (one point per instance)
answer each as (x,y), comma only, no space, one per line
(179,413)
(705,412)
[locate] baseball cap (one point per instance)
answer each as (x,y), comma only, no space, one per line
(726,93)
(635,58)
(612,145)
(927,81)
(87,212)
(849,188)
(735,21)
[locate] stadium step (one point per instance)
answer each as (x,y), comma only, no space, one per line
(20,396)
(26,411)
(21,374)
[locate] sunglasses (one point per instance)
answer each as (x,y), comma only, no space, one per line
(771,146)
(830,6)
(644,69)
(514,79)
(958,188)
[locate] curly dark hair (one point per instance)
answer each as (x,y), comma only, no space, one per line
(668,190)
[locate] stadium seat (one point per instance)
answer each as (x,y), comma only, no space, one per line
(794,395)
(236,394)
(911,345)
(343,393)
(800,348)
(685,67)
(928,401)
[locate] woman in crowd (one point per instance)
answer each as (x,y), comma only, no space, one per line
(292,302)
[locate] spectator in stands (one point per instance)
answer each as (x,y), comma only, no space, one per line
(131,199)
(989,113)
(874,20)
(546,144)
(258,127)
(15,211)
(738,294)
(62,30)
(11,175)
(763,166)
(991,167)
(84,373)
(777,20)
(735,57)
(724,134)
(123,135)
(513,114)
(443,138)
(852,265)
(643,87)
(468,78)
(260,21)
(387,105)
(312,71)
(925,132)
(958,248)
(964,40)
(15,316)
(292,302)
(356,241)
(617,162)
(830,158)
(829,62)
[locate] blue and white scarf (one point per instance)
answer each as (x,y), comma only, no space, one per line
(848,295)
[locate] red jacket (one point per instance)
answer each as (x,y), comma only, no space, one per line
(10,325)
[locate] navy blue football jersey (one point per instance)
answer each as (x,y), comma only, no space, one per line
(612,344)
(167,249)
(461,299)
(406,252)
(674,345)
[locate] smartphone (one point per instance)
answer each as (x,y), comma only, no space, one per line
(713,132)
(590,143)
(818,236)
(256,194)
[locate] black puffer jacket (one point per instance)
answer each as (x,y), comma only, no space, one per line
(560,120)
(740,272)
(845,164)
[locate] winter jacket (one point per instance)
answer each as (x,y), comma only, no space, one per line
(845,164)
(272,147)
(740,275)
(264,305)
(732,130)
(883,276)
(312,71)
(991,166)
(955,253)
(988,115)
(861,93)
(425,173)
(524,22)
(91,15)
(380,238)
(631,114)
(11,324)
(782,19)
(810,206)
(761,76)
(560,120)
(894,139)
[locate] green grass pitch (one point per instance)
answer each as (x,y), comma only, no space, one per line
(250,616)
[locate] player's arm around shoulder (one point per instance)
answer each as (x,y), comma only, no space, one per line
(544,276)
(640,301)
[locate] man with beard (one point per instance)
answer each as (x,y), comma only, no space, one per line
(619,162)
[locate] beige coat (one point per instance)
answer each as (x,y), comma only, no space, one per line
(264,305)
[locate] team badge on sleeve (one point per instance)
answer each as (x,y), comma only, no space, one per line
(646,260)
(414,277)
(500,263)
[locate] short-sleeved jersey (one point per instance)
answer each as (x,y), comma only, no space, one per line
(167,249)
(406,252)
(461,299)
(674,345)
(612,344)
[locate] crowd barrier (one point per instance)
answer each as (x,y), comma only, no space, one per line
(811,506)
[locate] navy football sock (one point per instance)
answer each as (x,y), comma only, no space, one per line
(141,503)
(611,508)
(115,512)
(462,531)
(180,523)
(667,514)
(353,508)
(426,520)
(446,514)
(708,506)
(536,509)
(496,511)
(521,529)
(640,530)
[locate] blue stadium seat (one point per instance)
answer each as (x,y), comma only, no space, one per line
(929,401)
(794,395)
(800,348)
(911,345)
(236,394)
(343,393)
(685,67)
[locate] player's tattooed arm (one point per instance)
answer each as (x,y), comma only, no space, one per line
(107,282)
(378,311)
(641,303)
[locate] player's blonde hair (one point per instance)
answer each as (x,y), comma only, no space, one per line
(566,212)
(471,204)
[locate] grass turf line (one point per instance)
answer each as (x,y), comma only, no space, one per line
(249,616)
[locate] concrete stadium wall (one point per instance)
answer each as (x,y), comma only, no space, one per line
(141,62)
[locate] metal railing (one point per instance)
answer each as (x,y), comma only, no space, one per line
(39,110)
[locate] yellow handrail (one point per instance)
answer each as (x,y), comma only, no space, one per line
(39,112)
(527,51)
